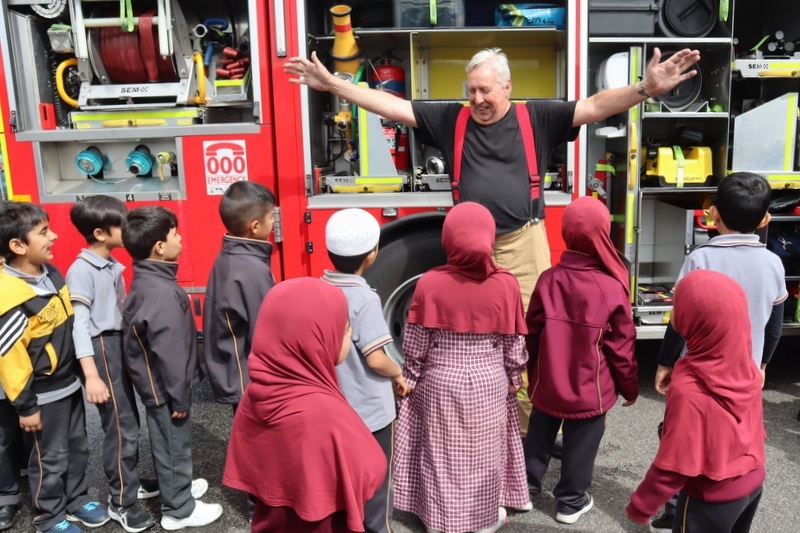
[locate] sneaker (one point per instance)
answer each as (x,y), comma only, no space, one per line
(63,527)
(90,515)
(524,508)
(503,518)
(571,518)
(133,518)
(148,488)
(199,488)
(203,514)
(662,524)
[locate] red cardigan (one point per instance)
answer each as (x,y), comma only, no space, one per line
(581,340)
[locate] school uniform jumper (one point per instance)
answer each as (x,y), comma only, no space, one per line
(97,291)
(38,373)
(581,345)
(160,349)
(369,393)
(237,284)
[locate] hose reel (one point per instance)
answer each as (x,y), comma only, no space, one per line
(133,57)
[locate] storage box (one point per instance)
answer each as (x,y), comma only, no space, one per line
(655,315)
(530,15)
(678,166)
(623,17)
(418,14)
(480,12)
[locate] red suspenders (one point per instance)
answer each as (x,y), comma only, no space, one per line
(528,140)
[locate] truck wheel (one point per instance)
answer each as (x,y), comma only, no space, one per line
(394,276)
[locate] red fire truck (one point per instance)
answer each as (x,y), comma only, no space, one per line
(169,101)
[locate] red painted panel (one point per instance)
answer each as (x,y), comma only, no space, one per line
(201,210)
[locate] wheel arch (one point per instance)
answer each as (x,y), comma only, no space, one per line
(405,226)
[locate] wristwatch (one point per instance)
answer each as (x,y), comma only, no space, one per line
(640,89)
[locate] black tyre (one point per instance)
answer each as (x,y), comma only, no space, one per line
(394,276)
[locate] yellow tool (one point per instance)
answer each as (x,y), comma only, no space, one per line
(133,122)
(681,166)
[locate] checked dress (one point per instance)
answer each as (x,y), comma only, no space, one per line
(458,451)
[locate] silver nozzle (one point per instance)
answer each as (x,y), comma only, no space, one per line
(200,31)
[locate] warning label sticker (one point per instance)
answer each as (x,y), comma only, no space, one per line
(225,163)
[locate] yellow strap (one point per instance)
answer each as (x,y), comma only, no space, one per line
(681,161)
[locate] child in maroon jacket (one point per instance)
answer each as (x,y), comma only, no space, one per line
(712,448)
(581,345)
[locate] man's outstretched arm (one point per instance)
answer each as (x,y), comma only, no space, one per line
(661,77)
(313,73)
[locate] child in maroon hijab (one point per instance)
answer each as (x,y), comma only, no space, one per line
(296,445)
(581,354)
(459,456)
(712,447)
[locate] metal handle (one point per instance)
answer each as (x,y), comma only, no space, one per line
(280,28)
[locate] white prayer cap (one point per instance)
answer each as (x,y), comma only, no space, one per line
(352,232)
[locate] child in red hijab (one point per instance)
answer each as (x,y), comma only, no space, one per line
(296,445)
(581,354)
(712,446)
(459,456)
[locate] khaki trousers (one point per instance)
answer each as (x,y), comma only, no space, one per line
(526,254)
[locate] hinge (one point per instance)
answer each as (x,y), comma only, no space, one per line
(307,217)
(277,228)
(12,121)
(310,247)
(309,185)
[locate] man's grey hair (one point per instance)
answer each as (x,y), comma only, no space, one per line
(494,58)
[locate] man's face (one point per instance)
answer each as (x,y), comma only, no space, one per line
(488,98)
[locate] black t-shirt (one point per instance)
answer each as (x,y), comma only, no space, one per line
(494,169)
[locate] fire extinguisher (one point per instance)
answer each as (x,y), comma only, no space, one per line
(603,170)
(401,151)
(396,136)
(388,77)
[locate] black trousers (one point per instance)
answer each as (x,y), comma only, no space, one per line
(10,441)
(57,465)
(581,442)
(695,516)
(120,420)
(171,444)
(379,509)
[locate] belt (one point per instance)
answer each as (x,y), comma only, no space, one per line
(108,333)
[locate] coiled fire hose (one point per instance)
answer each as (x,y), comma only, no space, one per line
(133,57)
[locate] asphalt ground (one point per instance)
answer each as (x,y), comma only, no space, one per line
(625,454)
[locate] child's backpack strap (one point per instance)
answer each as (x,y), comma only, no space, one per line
(528,141)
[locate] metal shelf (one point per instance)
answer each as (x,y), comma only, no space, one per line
(667,41)
(660,115)
(114,134)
